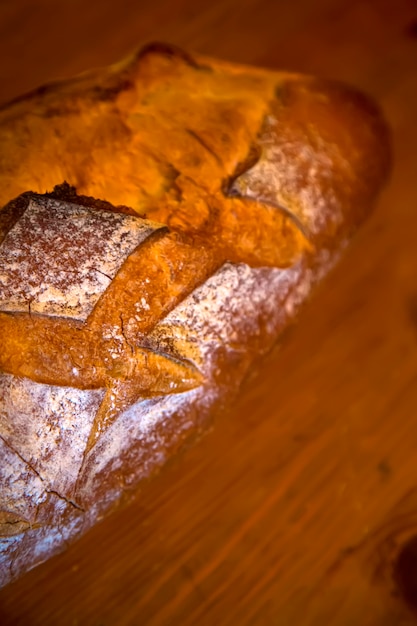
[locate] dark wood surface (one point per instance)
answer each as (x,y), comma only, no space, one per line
(300,507)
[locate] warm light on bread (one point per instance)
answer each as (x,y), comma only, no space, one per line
(163,221)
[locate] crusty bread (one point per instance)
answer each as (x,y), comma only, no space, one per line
(203,202)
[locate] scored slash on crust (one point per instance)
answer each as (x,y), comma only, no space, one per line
(154,375)
(48,274)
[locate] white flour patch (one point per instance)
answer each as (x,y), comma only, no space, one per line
(48,426)
(296,175)
(229,311)
(22,491)
(59,257)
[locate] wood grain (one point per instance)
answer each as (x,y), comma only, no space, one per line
(300,505)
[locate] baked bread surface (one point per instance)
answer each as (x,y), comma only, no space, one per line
(203,202)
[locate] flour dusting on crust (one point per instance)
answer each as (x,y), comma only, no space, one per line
(48,426)
(228,312)
(218,328)
(19,484)
(59,257)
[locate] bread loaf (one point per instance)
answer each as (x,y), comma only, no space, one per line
(201,203)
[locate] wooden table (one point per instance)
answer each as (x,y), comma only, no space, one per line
(300,507)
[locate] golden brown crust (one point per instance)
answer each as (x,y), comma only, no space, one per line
(126,322)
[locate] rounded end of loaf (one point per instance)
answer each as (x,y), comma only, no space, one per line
(323,154)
